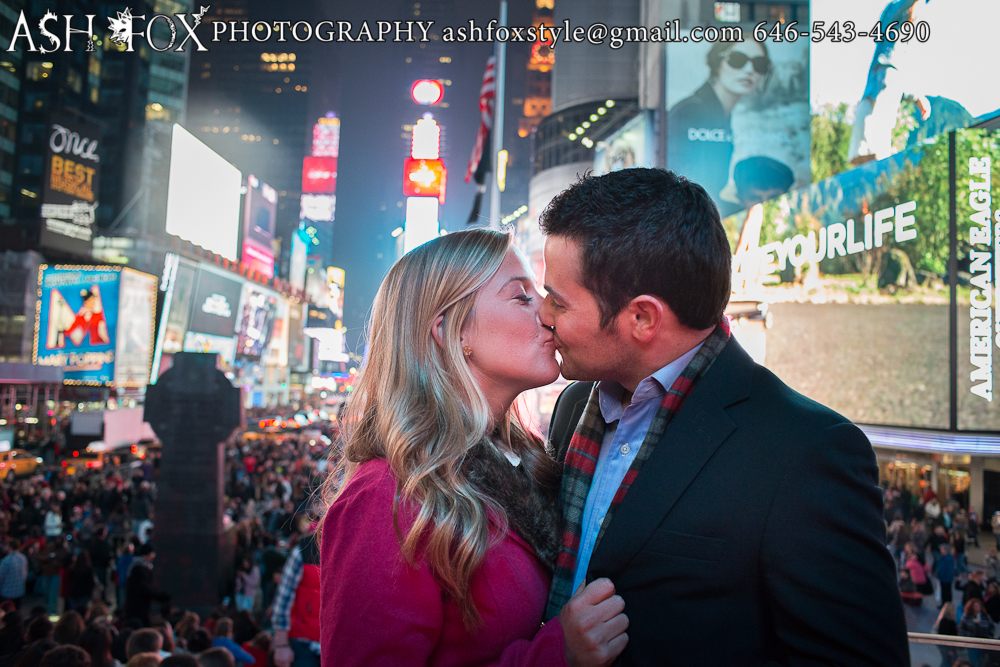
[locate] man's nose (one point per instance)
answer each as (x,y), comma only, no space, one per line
(545,314)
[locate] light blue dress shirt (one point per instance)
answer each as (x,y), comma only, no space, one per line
(623,436)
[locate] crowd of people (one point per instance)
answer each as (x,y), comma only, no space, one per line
(77,574)
(929,541)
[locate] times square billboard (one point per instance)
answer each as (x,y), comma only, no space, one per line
(96,324)
(70,186)
(855,275)
(830,161)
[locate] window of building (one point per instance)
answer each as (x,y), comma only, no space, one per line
(38,71)
(8,96)
(30,165)
(74,80)
(36,101)
(32,132)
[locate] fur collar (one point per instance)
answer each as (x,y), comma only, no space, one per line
(532,512)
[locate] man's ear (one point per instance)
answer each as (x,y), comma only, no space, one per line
(643,317)
(437,330)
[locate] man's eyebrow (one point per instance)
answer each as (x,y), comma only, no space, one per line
(554,293)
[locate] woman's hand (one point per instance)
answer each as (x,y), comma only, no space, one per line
(594,625)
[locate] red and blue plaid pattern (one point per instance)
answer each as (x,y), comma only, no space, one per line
(584,450)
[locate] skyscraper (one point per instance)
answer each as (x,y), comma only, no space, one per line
(249,102)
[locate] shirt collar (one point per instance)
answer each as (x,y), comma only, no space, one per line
(652,387)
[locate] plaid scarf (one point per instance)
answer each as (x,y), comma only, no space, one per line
(584,450)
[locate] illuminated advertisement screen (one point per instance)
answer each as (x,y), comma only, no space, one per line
(259,210)
(738,120)
(335,279)
(298,343)
(216,304)
(424,178)
(326,137)
(630,146)
(318,208)
(203,195)
(257,312)
(841,288)
(277,349)
(70,185)
(319,175)
(977,181)
(84,314)
(179,315)
(297,261)
(77,323)
(136,314)
(871,99)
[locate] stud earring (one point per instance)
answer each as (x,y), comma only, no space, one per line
(467,350)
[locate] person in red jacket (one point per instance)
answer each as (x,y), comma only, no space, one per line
(442,528)
(295,614)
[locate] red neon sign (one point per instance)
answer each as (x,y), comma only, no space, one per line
(424,178)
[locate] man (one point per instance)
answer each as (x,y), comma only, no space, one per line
(13,574)
(139,591)
(145,640)
(52,558)
(101,556)
(973,586)
(696,481)
(295,615)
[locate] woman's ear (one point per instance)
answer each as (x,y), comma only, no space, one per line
(437,330)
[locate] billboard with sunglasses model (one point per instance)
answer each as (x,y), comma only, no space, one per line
(738,118)
(913,76)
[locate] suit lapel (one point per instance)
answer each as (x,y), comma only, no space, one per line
(690,440)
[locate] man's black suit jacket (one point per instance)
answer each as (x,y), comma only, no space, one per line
(753,535)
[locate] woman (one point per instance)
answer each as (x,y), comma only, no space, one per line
(700,132)
(918,572)
(975,622)
(247,585)
(442,529)
(946,625)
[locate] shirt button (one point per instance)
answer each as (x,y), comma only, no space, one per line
(624,449)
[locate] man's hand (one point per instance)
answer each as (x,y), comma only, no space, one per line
(594,625)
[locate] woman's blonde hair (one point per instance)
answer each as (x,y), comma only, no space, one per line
(417,405)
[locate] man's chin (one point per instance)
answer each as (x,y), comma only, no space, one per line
(570,372)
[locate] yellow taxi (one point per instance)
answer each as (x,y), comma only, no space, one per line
(17,462)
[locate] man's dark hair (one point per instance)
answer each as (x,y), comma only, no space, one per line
(647,231)
(66,656)
(69,628)
(200,641)
(216,657)
(180,660)
(40,628)
(33,653)
(146,640)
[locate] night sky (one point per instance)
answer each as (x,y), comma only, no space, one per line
(368,86)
